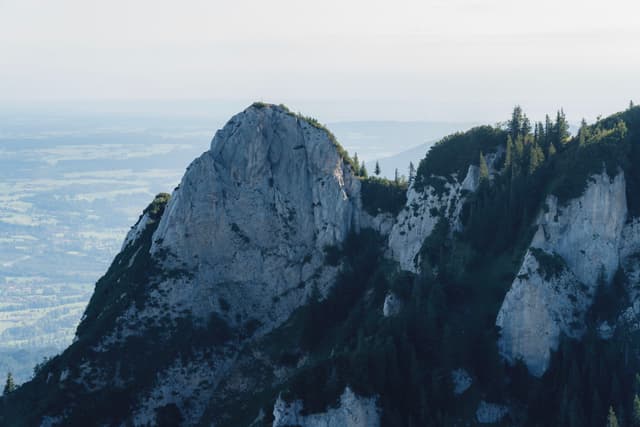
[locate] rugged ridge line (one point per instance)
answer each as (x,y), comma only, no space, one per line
(271,289)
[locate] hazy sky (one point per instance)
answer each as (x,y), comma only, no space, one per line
(341,59)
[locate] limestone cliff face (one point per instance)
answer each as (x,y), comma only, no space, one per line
(424,209)
(249,223)
(536,310)
(252,216)
(587,232)
(578,246)
(630,263)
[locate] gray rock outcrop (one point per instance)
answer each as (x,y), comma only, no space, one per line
(582,242)
(241,239)
(252,217)
(392,305)
(353,411)
(426,207)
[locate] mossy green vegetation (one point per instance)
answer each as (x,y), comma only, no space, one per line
(156,207)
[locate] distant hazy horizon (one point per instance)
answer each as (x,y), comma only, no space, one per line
(436,60)
(216,112)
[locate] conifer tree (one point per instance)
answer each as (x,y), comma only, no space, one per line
(631,104)
(377,169)
(540,137)
(562,128)
(576,413)
(508,156)
(612,420)
(549,130)
(396,177)
(9,385)
(617,394)
(484,169)
(526,126)
(635,414)
(356,161)
(412,173)
(536,157)
(582,132)
(621,129)
(363,170)
(514,126)
(518,155)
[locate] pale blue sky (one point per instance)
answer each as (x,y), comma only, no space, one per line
(340,60)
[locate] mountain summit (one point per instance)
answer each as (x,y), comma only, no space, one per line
(279,285)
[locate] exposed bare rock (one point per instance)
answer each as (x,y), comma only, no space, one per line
(579,246)
(424,209)
(353,411)
(392,305)
(252,216)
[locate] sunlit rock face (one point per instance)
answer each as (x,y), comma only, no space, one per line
(252,216)
(585,238)
(425,207)
(249,224)
(536,310)
(241,241)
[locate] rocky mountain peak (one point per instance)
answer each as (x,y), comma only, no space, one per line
(252,216)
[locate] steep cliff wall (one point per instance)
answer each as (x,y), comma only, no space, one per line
(252,217)
(250,222)
(576,247)
(426,206)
